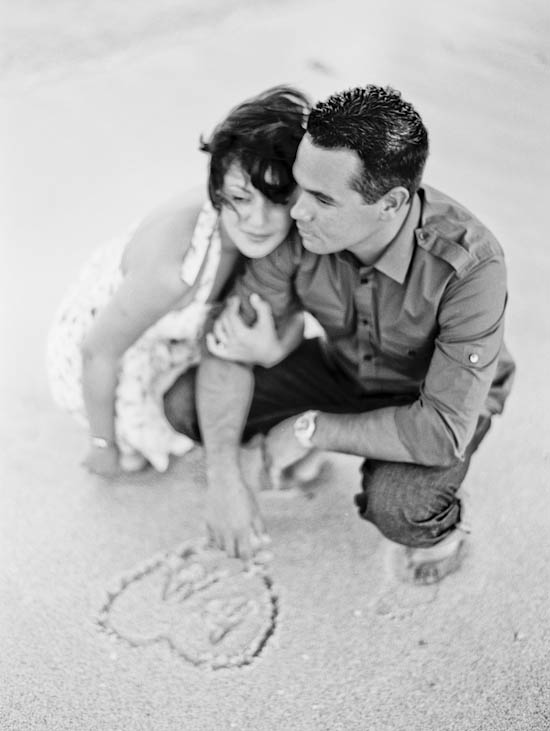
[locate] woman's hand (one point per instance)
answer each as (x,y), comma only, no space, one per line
(232,339)
(233,519)
(103,461)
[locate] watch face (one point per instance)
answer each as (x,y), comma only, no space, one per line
(304,426)
(302,423)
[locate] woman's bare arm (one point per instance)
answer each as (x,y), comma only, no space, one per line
(151,287)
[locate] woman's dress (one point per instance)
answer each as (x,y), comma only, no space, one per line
(152,363)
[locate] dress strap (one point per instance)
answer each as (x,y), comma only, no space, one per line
(201,241)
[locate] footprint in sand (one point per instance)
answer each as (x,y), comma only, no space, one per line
(399,602)
(213,611)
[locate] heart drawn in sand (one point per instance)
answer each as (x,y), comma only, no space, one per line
(212,610)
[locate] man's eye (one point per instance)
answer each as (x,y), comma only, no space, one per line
(323,201)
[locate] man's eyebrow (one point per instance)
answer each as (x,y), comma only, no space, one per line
(311,191)
(319,194)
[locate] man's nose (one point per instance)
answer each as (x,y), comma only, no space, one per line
(300,210)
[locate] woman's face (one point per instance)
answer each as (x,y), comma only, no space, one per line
(255,224)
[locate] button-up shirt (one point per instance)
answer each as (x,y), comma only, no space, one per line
(425,321)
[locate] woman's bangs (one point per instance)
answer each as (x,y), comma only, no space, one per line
(272,179)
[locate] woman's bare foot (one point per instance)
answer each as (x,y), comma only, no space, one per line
(134,462)
(307,469)
(253,468)
(259,475)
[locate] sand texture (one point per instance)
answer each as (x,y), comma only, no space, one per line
(111,618)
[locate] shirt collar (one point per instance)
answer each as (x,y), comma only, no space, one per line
(395,260)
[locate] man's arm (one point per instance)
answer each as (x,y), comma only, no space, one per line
(437,427)
(259,343)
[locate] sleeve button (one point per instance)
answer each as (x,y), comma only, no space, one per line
(473,358)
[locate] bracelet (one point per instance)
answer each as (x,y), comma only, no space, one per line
(102,443)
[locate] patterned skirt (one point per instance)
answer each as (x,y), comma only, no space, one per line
(146,370)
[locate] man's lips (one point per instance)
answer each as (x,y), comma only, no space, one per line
(304,233)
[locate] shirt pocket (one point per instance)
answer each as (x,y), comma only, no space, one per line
(406,353)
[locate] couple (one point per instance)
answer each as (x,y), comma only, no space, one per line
(410,289)
(408,286)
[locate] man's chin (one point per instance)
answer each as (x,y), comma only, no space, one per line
(312,245)
(308,242)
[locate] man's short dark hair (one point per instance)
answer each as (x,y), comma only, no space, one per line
(262,135)
(385,131)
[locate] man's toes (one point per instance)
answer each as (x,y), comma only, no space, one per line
(426,574)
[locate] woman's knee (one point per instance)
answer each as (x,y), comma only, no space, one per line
(409,505)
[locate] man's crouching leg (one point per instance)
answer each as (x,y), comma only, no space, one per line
(418,508)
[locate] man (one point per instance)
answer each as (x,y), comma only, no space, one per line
(410,289)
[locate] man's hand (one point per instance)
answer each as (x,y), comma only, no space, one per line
(232,339)
(103,461)
(283,449)
(233,518)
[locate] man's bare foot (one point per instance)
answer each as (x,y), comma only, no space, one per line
(430,565)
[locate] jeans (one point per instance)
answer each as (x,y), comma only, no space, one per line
(410,504)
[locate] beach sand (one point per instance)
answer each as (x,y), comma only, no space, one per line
(101,111)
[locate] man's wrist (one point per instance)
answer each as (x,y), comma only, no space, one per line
(274,357)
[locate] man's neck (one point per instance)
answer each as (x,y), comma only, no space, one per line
(369,251)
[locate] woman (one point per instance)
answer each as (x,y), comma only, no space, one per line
(135,318)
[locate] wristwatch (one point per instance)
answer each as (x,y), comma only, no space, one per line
(304,428)
(101,442)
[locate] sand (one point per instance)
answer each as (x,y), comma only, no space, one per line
(101,113)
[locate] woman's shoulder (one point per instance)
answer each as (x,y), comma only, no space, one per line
(164,236)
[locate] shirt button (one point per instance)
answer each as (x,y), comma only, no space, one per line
(473,358)
(364,321)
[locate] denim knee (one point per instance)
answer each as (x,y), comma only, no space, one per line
(409,504)
(179,406)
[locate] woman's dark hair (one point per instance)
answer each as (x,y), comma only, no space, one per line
(385,131)
(262,135)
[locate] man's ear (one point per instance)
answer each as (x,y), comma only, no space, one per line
(394,202)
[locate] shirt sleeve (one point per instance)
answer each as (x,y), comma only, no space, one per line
(272,278)
(438,426)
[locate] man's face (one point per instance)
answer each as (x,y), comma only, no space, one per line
(330,215)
